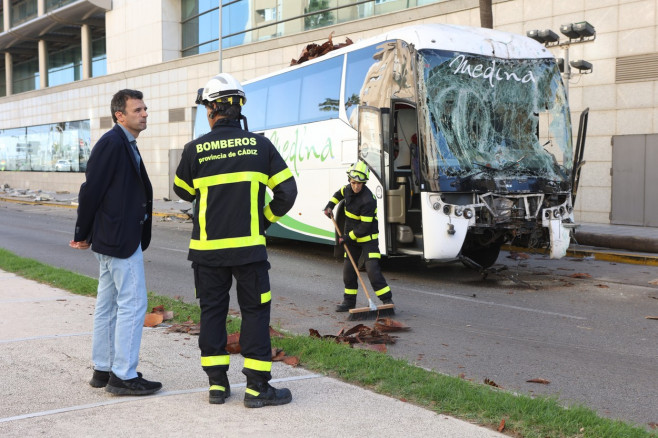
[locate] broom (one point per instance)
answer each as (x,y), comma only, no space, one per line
(372,311)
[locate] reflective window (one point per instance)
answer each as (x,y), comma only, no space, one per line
(3,82)
(307,94)
(65,66)
(56,4)
(200,25)
(26,76)
(23,10)
(258,20)
(55,147)
(98,58)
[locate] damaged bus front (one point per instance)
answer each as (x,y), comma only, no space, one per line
(497,157)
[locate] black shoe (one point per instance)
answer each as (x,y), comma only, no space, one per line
(100,378)
(219,391)
(387,301)
(136,386)
(346,305)
(266,395)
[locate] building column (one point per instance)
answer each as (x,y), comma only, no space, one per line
(9,74)
(6,14)
(85,38)
(41,7)
(43,64)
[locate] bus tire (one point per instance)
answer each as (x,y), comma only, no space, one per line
(484,256)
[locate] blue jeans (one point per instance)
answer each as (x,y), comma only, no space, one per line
(119,316)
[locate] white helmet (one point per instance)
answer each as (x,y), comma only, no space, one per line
(222,88)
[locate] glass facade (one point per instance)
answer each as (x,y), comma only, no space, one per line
(55,4)
(98,58)
(65,66)
(26,76)
(245,21)
(22,11)
(55,147)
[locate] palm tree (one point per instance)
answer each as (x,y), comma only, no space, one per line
(486,14)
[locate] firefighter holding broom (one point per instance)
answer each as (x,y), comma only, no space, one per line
(360,235)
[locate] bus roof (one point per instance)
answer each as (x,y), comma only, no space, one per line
(473,40)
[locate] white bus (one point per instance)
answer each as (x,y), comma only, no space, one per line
(467,133)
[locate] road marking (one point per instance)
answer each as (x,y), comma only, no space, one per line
(171,249)
(491,303)
(134,398)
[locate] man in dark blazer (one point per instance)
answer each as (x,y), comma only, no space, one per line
(115,205)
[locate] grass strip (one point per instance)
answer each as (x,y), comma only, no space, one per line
(524,416)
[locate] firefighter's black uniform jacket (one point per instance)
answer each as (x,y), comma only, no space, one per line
(361,233)
(227,172)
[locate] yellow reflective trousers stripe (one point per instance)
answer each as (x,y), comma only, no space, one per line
(266,297)
(213,361)
(257,365)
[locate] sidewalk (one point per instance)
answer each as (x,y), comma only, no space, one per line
(45,348)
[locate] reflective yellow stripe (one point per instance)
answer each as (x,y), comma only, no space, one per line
(183,185)
(203,207)
(350,291)
(279,178)
(269,215)
(255,238)
(334,200)
(230,178)
(382,291)
(231,242)
(352,215)
(257,365)
(213,361)
(367,238)
(217,388)
(366,218)
(374,255)
(252,392)
(266,297)
(353,236)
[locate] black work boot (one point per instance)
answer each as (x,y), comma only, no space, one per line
(136,386)
(349,302)
(264,394)
(387,298)
(219,391)
(100,378)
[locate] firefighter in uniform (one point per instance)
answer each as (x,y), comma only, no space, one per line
(360,235)
(227,172)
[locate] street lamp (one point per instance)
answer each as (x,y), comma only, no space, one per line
(581,32)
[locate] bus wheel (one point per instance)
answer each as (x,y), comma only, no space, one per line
(484,256)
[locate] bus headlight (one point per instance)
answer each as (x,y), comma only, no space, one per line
(436,206)
(556,213)
(446,209)
(468,213)
(458,211)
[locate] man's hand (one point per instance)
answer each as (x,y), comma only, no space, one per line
(79,245)
(328,212)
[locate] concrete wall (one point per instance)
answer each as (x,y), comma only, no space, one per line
(139,57)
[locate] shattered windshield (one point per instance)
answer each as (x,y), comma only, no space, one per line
(494,118)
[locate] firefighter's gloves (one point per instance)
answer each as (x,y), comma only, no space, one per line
(328,212)
(342,240)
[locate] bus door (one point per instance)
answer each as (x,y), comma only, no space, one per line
(373,153)
(403,197)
